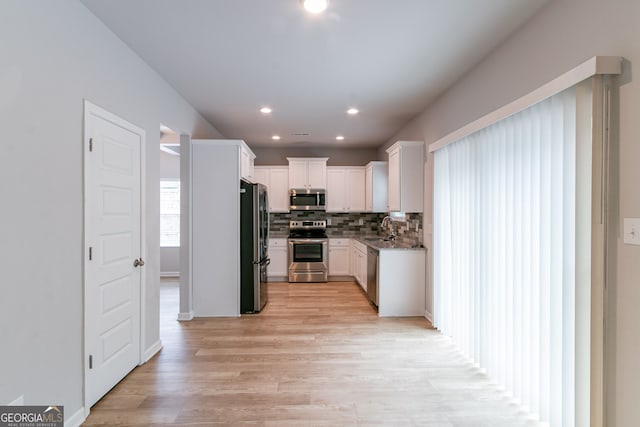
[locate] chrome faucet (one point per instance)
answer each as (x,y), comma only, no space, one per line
(385,223)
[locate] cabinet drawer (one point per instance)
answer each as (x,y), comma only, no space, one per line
(359,246)
(339,242)
(277,243)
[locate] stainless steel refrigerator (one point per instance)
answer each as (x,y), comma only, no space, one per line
(254,241)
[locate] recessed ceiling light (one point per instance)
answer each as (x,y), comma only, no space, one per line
(340,137)
(275,137)
(315,6)
(353,111)
(265,110)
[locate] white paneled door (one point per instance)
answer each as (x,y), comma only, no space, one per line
(113,259)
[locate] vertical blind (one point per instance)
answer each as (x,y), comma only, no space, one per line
(504,253)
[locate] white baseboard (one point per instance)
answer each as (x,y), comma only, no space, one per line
(152,351)
(185,316)
(428,315)
(18,401)
(277,279)
(76,419)
(341,278)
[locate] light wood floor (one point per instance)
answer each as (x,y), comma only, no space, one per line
(318,355)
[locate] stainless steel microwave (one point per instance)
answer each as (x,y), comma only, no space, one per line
(307,199)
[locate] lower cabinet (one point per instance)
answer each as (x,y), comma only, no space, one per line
(401,283)
(278,268)
(339,257)
(359,263)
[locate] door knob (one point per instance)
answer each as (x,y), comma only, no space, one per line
(138,262)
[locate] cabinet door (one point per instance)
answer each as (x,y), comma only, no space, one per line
(261,175)
(279,189)
(298,174)
(336,190)
(317,173)
(353,261)
(354,183)
(394,180)
(246,164)
(278,255)
(363,269)
(368,189)
(362,264)
(339,261)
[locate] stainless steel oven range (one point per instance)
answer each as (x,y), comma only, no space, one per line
(308,251)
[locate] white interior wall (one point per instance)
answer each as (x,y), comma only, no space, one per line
(169,166)
(563,35)
(52,56)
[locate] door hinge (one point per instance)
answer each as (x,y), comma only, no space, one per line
(90,253)
(90,361)
(90,144)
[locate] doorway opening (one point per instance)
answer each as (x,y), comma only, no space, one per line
(169,225)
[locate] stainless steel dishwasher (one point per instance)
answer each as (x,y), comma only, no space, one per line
(372,275)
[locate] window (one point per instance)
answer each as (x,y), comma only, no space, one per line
(170,213)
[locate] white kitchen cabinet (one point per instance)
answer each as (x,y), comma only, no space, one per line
(401,282)
(339,257)
(276,178)
(279,185)
(307,172)
(359,263)
(345,189)
(376,186)
(336,191)
(247,161)
(277,269)
(261,175)
(353,262)
(406,176)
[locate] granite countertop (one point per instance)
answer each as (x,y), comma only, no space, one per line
(379,243)
(373,241)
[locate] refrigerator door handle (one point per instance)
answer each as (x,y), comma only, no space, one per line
(263,261)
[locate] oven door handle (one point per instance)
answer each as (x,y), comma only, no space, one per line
(308,240)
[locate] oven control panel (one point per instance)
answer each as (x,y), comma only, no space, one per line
(319,225)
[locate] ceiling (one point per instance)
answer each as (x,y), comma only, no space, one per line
(389,59)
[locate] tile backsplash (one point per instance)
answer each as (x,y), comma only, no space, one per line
(351,224)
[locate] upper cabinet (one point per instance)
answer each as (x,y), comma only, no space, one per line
(261,175)
(376,186)
(406,176)
(345,189)
(247,159)
(307,172)
(276,178)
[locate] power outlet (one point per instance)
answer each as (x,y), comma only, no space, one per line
(360,221)
(632,231)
